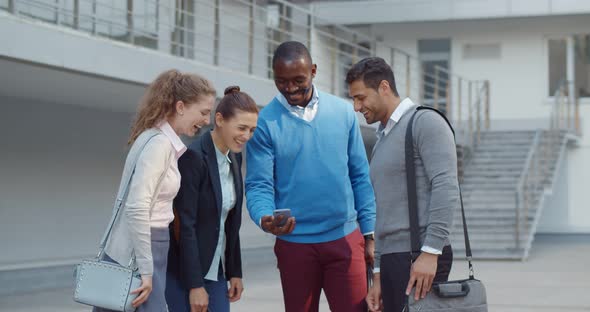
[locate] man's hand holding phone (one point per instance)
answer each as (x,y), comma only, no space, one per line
(280,223)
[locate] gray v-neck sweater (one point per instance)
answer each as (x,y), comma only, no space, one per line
(435,159)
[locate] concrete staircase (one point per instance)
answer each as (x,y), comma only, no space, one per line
(489,185)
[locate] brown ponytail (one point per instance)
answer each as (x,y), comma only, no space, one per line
(160,98)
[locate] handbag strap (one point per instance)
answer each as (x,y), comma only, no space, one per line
(120,202)
(413,196)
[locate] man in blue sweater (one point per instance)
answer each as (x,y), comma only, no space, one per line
(307,155)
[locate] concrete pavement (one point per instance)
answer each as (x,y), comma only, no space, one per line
(555,278)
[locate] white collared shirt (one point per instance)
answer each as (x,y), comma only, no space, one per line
(397,114)
(306,113)
(177,143)
(161,214)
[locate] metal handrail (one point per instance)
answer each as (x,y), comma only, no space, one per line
(521,196)
(536,166)
(563,100)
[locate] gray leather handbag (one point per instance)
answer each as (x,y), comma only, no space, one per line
(105,284)
(467,295)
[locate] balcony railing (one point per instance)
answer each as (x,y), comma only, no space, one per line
(241,35)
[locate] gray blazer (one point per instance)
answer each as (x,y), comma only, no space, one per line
(131,225)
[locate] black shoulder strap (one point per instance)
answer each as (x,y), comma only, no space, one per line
(413,196)
(419,108)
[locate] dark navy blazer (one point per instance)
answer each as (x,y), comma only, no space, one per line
(195,232)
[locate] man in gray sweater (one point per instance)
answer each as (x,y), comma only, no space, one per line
(372,87)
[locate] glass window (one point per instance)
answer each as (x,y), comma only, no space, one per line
(348,55)
(558,64)
(582,54)
(435,57)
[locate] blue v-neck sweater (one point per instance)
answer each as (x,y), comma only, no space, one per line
(318,169)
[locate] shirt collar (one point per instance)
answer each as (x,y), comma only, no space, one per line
(221,156)
(312,102)
(177,143)
(403,107)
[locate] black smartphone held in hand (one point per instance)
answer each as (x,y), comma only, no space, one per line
(286,213)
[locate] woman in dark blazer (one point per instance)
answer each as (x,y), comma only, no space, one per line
(205,245)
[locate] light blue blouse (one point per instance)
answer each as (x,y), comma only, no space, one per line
(228,201)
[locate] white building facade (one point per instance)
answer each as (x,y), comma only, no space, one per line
(524,48)
(71,75)
(72,72)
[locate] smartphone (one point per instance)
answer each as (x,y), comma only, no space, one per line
(286,213)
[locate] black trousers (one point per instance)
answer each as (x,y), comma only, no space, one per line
(395,275)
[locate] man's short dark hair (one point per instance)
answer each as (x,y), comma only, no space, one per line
(372,71)
(291,50)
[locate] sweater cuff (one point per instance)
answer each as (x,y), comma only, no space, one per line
(377,264)
(434,242)
(145,266)
(430,250)
(367,227)
(258,218)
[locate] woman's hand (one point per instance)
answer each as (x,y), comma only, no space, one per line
(235,289)
(198,299)
(144,291)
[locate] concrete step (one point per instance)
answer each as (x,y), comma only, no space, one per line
(485,206)
(503,224)
(486,167)
(479,160)
(507,236)
(459,245)
(510,133)
(507,204)
(471,183)
(498,157)
(496,196)
(518,141)
(507,177)
(469,188)
(481,172)
(508,216)
(490,179)
(508,242)
(489,187)
(499,167)
(504,253)
(484,220)
(502,149)
(482,214)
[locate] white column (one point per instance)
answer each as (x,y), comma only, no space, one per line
(571,67)
(165,20)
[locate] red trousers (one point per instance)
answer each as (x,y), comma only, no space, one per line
(338,267)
